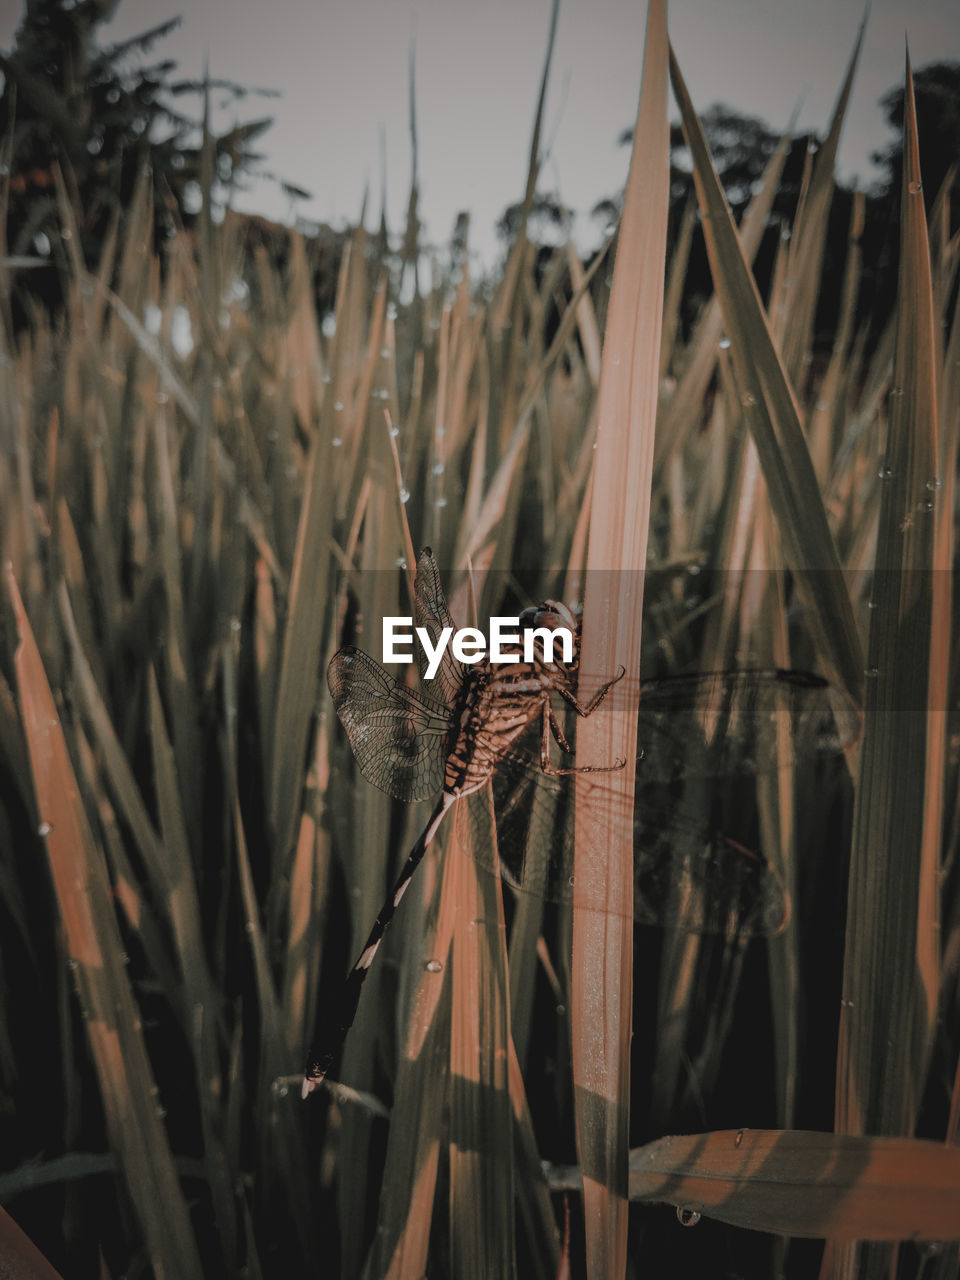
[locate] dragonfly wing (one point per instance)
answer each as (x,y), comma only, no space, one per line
(432,613)
(398,736)
(695,879)
(728,723)
(688,875)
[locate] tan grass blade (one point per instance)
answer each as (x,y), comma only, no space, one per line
(602,989)
(282,1149)
(94,946)
(770,409)
(536,1212)
(297,682)
(810,235)
(826,418)
(800,1183)
(367,869)
(481,1117)
(679,414)
(401,1246)
(891,962)
(890,965)
(20,1259)
(676,275)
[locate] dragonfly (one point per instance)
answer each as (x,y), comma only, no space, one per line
(496,724)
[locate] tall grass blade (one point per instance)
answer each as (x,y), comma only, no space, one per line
(602,991)
(20,1259)
(798,1183)
(94,947)
(891,965)
(770,409)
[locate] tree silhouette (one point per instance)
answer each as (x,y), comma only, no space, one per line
(936,90)
(99,114)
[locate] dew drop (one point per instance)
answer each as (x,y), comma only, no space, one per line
(161,397)
(687,1217)
(404,495)
(871,604)
(282,1091)
(438,468)
(336,442)
(561,1010)
(72,964)
(935,485)
(338,406)
(234,624)
(885,473)
(872,673)
(434,966)
(400,562)
(391,311)
(914,188)
(747,399)
(394,431)
(44,829)
(385,352)
(724,344)
(441,502)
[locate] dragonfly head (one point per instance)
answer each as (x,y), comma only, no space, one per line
(553,616)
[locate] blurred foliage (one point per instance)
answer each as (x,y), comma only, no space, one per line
(101,112)
(937,92)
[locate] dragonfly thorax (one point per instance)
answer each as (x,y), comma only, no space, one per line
(495,707)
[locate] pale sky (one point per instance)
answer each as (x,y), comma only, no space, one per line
(342,68)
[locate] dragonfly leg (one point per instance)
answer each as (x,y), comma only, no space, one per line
(550,726)
(591,706)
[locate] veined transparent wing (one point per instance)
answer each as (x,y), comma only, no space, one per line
(432,613)
(398,736)
(730,723)
(705,728)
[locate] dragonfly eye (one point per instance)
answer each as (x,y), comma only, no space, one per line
(553,617)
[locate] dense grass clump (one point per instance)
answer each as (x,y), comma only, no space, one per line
(206,488)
